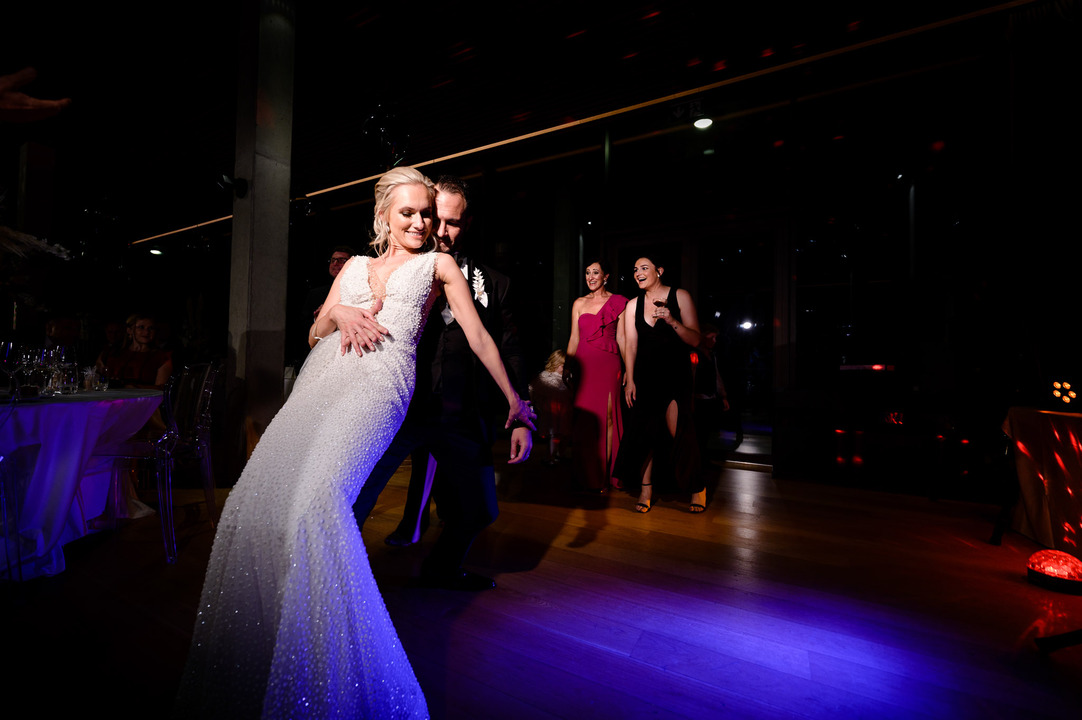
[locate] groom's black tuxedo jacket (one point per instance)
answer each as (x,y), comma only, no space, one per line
(452,383)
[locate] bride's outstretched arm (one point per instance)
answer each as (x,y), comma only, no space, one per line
(458,298)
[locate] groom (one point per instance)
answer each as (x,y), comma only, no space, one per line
(454,414)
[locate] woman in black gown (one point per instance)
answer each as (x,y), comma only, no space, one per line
(662,330)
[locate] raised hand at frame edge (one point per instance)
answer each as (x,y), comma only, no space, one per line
(17,106)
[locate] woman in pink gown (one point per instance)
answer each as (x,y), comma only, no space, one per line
(595,344)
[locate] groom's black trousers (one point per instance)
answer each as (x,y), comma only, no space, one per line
(464,488)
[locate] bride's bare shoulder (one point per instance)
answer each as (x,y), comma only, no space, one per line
(446,267)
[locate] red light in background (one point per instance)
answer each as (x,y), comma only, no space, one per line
(964,441)
(853,26)
(574,34)
(694,61)
(837,430)
(1055,563)
(767,52)
(874,367)
(840,460)
(720,65)
(858,460)
(694,355)
(938,146)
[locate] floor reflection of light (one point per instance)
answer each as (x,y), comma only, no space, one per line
(1055,614)
(747,533)
(746,554)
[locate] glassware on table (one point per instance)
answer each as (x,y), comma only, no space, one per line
(62,355)
(67,379)
(11,360)
(101,379)
(33,377)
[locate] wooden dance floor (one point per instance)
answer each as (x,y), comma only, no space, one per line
(785,599)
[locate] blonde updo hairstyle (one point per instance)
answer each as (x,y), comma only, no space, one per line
(556,359)
(385,187)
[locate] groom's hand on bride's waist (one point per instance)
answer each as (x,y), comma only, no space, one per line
(358,327)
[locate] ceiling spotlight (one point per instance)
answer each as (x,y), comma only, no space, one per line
(698,115)
(155,251)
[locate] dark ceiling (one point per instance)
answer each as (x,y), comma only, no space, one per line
(151,127)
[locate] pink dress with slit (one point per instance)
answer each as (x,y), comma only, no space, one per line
(599,386)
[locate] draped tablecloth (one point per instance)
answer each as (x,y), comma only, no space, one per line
(1048,458)
(51,489)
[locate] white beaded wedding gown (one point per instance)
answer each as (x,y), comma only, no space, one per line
(291,623)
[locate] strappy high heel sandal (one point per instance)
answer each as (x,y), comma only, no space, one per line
(696,508)
(644,507)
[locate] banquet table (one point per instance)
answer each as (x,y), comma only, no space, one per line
(1048,459)
(52,487)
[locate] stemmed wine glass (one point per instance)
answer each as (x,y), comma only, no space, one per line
(658,303)
(11,360)
(34,372)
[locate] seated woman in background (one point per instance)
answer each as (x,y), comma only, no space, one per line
(139,363)
(661,331)
(595,345)
(552,401)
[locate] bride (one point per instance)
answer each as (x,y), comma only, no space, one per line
(291,622)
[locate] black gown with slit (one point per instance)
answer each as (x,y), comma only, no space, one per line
(663,374)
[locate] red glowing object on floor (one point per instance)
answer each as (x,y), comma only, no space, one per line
(1055,570)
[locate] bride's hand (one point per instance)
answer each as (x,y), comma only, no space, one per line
(520,411)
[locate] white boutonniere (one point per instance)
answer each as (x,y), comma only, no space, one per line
(479,287)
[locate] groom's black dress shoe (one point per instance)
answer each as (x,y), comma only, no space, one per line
(403,536)
(457,580)
(399,539)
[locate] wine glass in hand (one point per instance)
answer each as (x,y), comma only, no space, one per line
(658,304)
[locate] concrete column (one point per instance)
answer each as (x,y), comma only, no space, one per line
(257,286)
